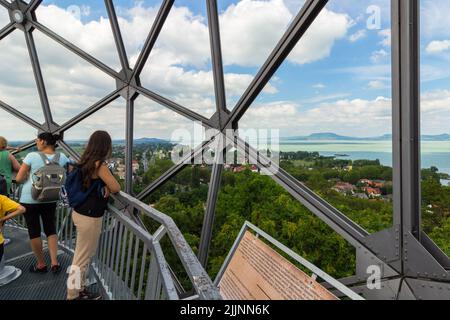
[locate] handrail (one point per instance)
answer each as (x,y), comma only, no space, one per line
(202,283)
(130,262)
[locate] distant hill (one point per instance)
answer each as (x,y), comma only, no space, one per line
(440,137)
(151,140)
(326,136)
(144,141)
(119,141)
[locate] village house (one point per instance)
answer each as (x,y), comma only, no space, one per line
(372,183)
(120,171)
(373,193)
(344,188)
(135,166)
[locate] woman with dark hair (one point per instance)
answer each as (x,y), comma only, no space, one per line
(38,210)
(88,216)
(8,164)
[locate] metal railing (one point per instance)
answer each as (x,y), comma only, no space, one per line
(130,263)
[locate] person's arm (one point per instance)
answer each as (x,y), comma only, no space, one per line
(19,211)
(13,208)
(108,178)
(15,164)
(12,149)
(24,171)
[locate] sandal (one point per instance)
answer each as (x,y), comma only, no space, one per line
(35,269)
(56,269)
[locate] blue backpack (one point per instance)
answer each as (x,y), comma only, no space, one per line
(75,193)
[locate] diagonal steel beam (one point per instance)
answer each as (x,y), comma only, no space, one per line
(161,180)
(90,111)
(39,78)
(216,53)
(68,45)
(185,112)
(210,212)
(72,153)
(299,26)
(129,136)
(32,6)
(5,3)
(6,31)
(406,115)
(21,116)
(335,219)
(117,34)
(153,36)
(174,170)
(26,146)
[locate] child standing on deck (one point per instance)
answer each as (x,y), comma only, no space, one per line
(14,209)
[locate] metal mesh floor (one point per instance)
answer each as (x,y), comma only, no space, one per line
(36,286)
(31,286)
(19,245)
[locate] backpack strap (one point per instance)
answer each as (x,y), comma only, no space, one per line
(44,158)
(56,158)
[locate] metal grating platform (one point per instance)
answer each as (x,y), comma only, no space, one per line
(19,245)
(31,286)
(36,286)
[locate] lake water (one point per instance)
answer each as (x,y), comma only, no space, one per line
(434,153)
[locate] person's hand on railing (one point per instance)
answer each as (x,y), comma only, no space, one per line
(106,192)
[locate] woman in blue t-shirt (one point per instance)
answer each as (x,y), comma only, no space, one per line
(36,211)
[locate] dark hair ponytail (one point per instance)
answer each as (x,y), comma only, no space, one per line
(97,151)
(49,138)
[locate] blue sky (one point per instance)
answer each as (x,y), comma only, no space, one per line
(336,80)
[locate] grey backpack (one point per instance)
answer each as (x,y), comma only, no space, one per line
(48,180)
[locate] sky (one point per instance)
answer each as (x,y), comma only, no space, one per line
(337,79)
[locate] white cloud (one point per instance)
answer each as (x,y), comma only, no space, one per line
(379,56)
(436,47)
(351,117)
(318,41)
(319,86)
(377,85)
(386,36)
(347,117)
(251,28)
(358,35)
(179,67)
(368,72)
(434,16)
(319,98)
(435,114)
(73,84)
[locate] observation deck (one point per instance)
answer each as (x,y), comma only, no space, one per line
(129,264)
(131,261)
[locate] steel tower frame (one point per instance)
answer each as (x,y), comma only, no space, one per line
(412,265)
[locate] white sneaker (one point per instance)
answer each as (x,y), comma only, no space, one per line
(7,241)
